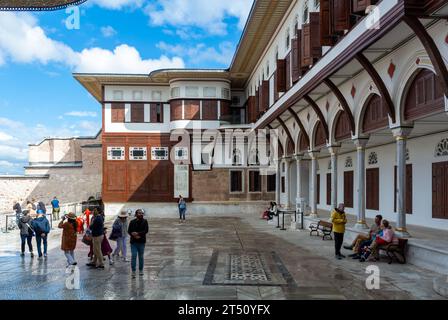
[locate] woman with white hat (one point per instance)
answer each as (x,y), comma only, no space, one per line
(120,234)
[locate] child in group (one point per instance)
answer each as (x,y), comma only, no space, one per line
(80,223)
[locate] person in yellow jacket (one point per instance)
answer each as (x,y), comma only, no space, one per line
(339,221)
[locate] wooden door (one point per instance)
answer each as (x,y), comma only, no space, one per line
(348,189)
(373,189)
(408,196)
(318,189)
(440,190)
(328,189)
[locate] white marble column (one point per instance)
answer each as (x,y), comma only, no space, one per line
(287,162)
(361,186)
(299,195)
(313,200)
(277,181)
(334,175)
(401,135)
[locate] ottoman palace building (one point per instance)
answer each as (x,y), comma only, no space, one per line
(356,90)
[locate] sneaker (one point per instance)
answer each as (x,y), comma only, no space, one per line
(111,262)
(90,265)
(133,275)
(100,267)
(338,257)
(125,260)
(45,255)
(74,263)
(341,255)
(141,274)
(32,255)
(40,257)
(22,254)
(348,247)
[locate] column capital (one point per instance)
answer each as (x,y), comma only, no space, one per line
(334,149)
(299,156)
(401,133)
(313,154)
(360,143)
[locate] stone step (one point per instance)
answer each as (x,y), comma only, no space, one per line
(440,286)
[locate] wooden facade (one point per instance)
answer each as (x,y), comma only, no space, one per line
(137,180)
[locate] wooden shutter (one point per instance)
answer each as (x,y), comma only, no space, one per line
(311,47)
(318,189)
(192,109)
(296,67)
(348,189)
(251,112)
(326,26)
(209,110)
(271,183)
(328,189)
(343,130)
(156,113)
(226,112)
(137,112)
(440,190)
(236,183)
(319,138)
(254,181)
(117,110)
(264,96)
(276,94)
(372,189)
(176,110)
(288,71)
(257,102)
(375,115)
(341,15)
(280,75)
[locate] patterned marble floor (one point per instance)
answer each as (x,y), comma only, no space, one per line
(207,258)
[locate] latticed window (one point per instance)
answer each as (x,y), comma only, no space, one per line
(442,148)
(373,158)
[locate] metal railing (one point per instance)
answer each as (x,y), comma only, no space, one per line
(66,208)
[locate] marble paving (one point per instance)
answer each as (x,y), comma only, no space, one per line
(209,258)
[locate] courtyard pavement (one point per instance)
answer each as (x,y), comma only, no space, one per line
(211,258)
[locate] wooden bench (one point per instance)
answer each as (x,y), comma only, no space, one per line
(397,251)
(324,227)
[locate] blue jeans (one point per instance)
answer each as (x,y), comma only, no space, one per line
(137,249)
(26,239)
(182,213)
(39,240)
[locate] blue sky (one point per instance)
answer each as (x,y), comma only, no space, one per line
(38,53)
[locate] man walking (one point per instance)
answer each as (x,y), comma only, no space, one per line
(97,228)
(56,208)
(41,228)
(138,229)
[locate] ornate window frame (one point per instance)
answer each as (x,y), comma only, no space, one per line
(441,148)
(132,157)
(112,157)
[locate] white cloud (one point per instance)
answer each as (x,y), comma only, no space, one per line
(8,123)
(201,53)
(123,59)
(5,137)
(117,4)
(9,152)
(209,15)
(88,126)
(23,41)
(7,164)
(81,114)
(108,31)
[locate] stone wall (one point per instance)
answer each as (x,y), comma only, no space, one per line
(68,184)
(215,186)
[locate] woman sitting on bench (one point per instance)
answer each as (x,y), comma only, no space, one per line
(386,237)
(272,211)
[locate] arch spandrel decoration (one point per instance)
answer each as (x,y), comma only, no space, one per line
(424,96)
(375,115)
(319,135)
(342,128)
